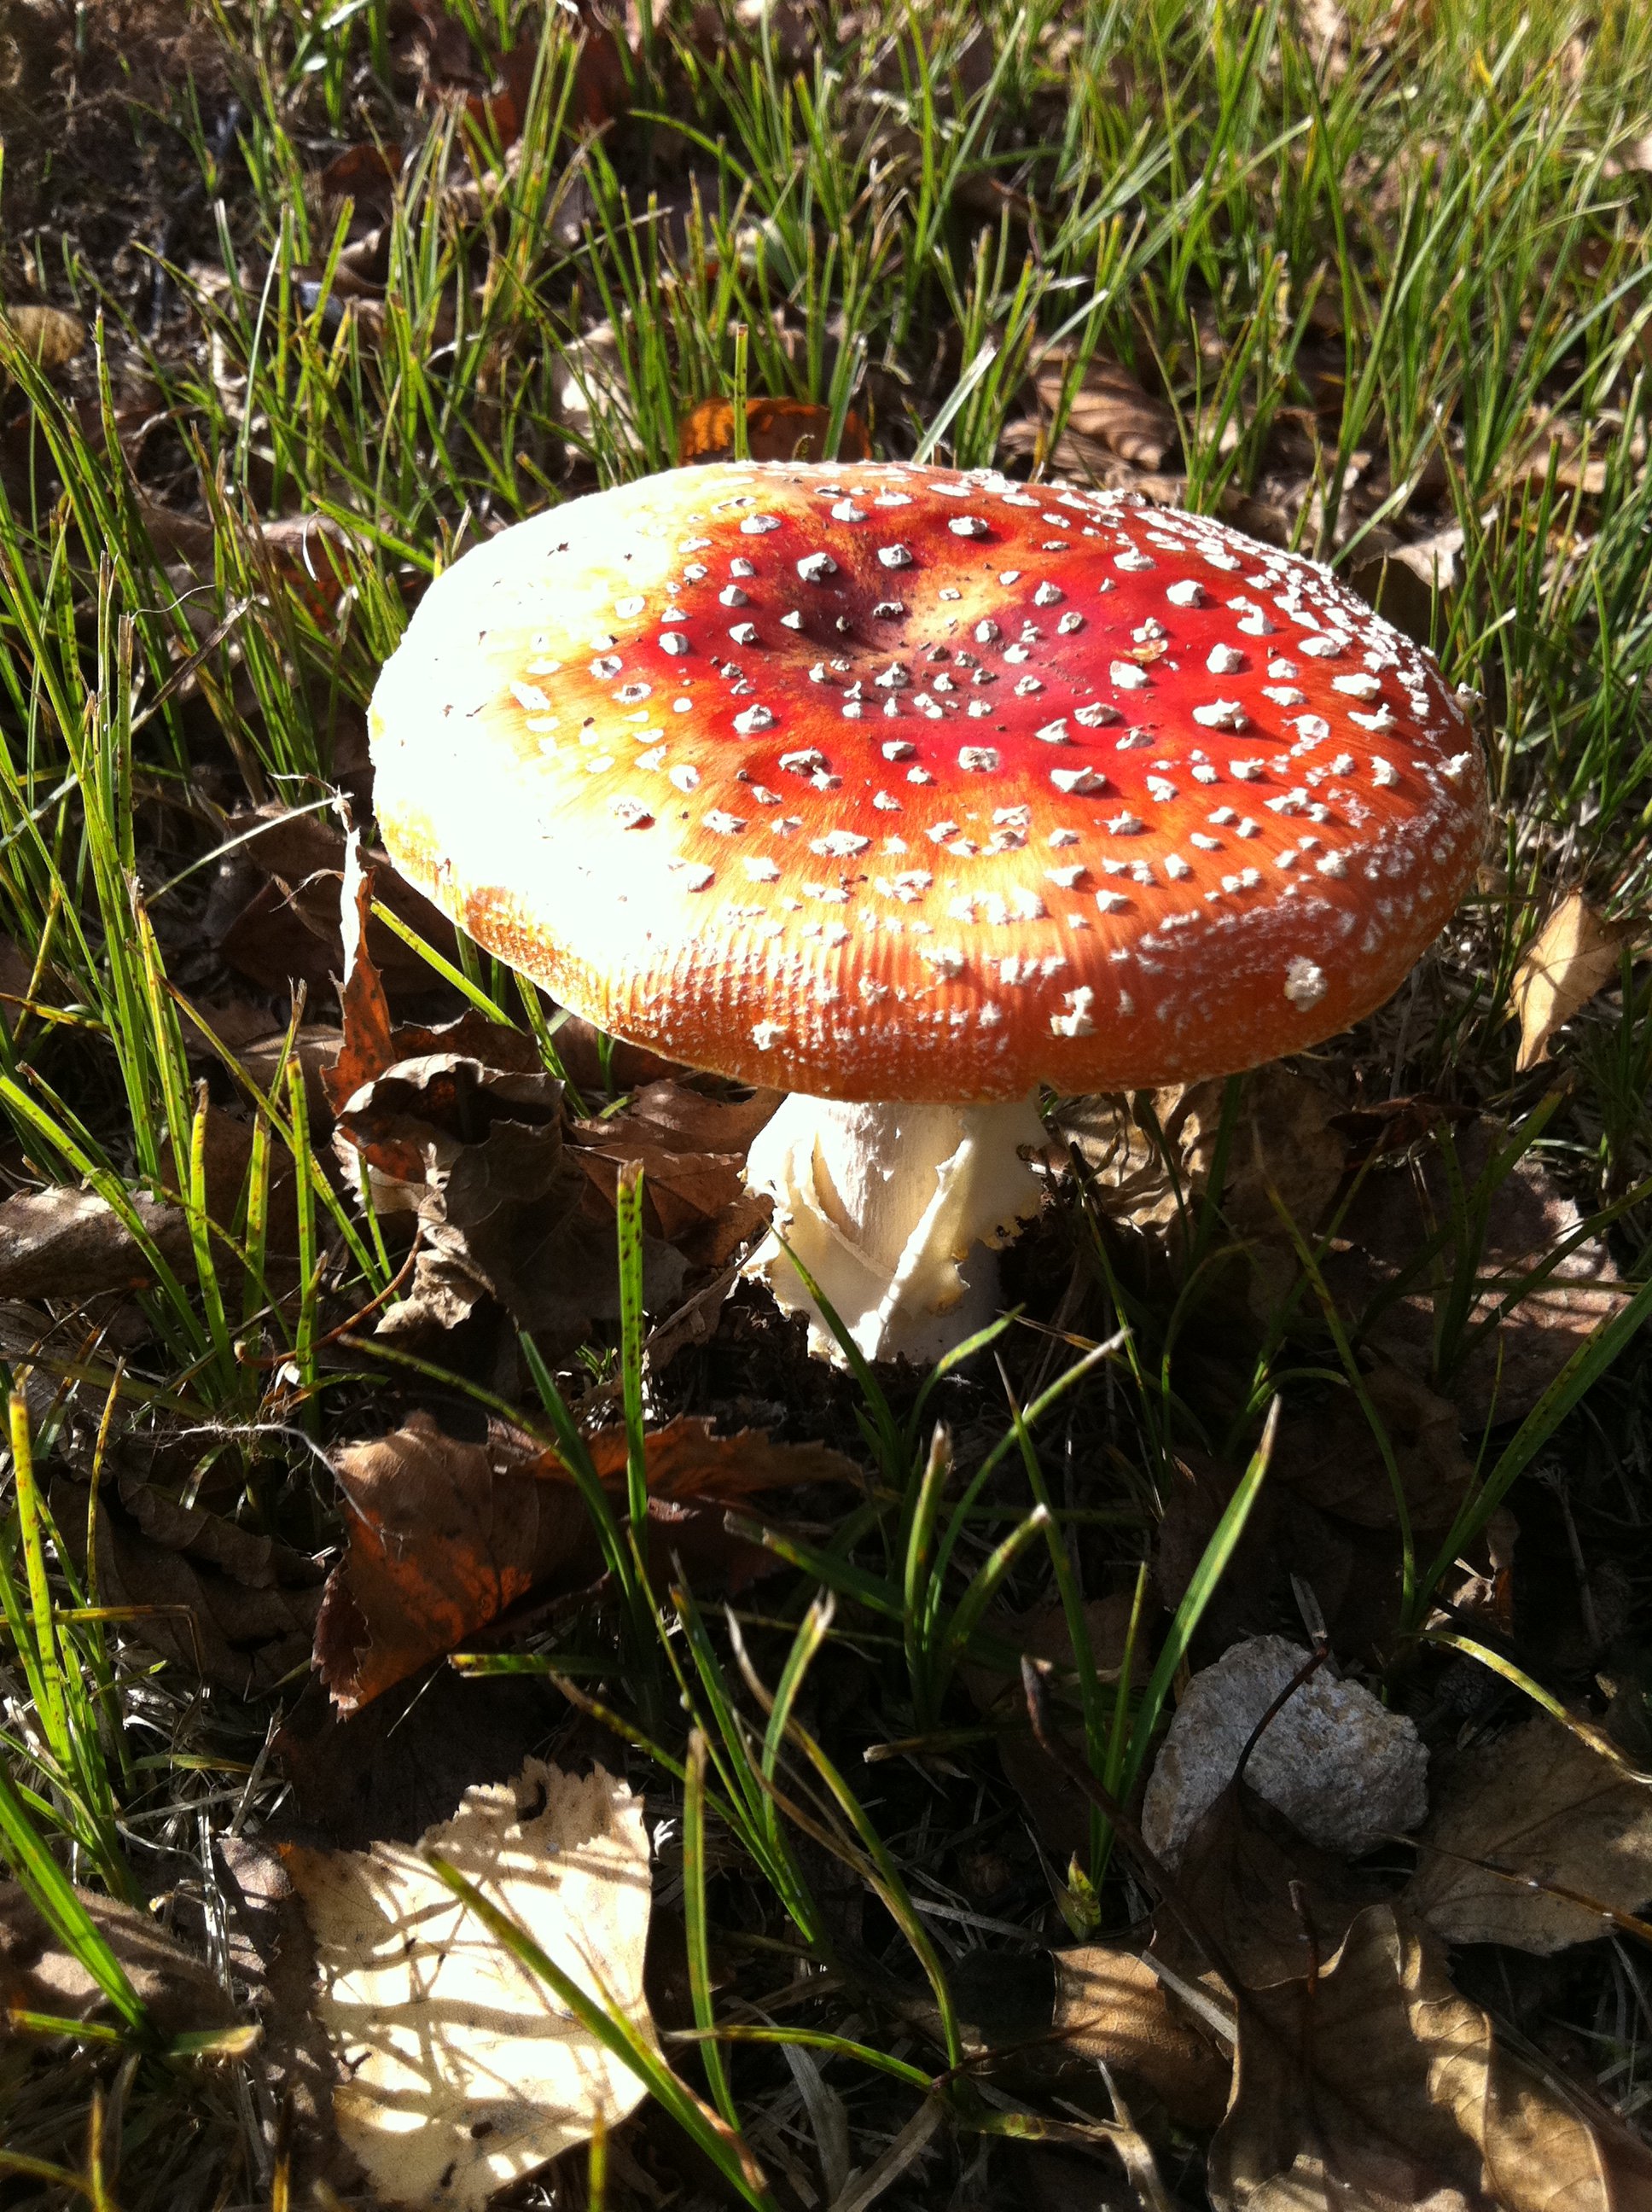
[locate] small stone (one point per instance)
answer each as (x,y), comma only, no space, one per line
(1341,1768)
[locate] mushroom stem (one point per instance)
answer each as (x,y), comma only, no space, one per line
(894,1210)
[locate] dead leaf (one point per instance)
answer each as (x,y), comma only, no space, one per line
(1338,1765)
(1111,2006)
(1284,1141)
(1108,409)
(366,172)
(290,927)
(1572,956)
(1537,1805)
(601,88)
(443,1537)
(238,1032)
(1269,1899)
(1397,1211)
(72,1245)
(775,431)
(365,1049)
(181,1993)
(462,2071)
(472,1141)
(1059,1810)
(1329,1452)
(51,337)
(693,1150)
(232,1605)
(1374,2088)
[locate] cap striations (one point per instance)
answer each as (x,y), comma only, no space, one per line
(982,784)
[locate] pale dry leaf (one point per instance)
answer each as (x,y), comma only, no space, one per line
(1538,1804)
(1111,2005)
(1110,408)
(1376,2088)
(66,1244)
(179,1992)
(460,2070)
(51,337)
(1572,956)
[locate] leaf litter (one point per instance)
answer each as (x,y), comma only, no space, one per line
(461,2071)
(444,1537)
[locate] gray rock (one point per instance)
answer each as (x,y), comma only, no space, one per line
(1342,1769)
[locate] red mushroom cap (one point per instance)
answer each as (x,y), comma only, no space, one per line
(881,781)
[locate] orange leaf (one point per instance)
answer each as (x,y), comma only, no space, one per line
(775,431)
(443,1535)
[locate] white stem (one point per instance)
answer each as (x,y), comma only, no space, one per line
(894,1210)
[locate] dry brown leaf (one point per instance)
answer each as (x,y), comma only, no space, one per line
(1284,1142)
(1111,2005)
(290,927)
(1397,1211)
(1374,2088)
(50,335)
(462,1128)
(64,1243)
(181,1993)
(462,2071)
(365,172)
(222,1601)
(1271,1902)
(1339,1766)
(442,1536)
(775,431)
(1109,409)
(1539,1805)
(692,1149)
(1328,1453)
(1572,956)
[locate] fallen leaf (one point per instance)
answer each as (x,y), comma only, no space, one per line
(366,172)
(1374,2088)
(692,1149)
(512,1202)
(1059,1810)
(775,431)
(51,337)
(64,1243)
(290,927)
(462,2071)
(271,1955)
(1271,1902)
(1109,408)
(18,977)
(1537,1805)
(237,1607)
(406,1760)
(1436,561)
(365,1048)
(1398,1210)
(238,1033)
(442,1536)
(1284,1142)
(1111,2006)
(600,92)
(1327,1452)
(181,1993)
(1572,956)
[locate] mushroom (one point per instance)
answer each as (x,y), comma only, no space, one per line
(908,791)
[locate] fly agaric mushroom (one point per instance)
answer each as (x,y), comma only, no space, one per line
(907,791)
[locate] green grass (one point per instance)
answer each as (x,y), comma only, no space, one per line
(1391,291)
